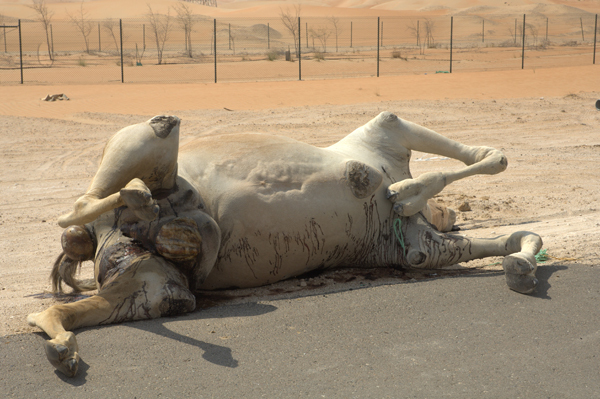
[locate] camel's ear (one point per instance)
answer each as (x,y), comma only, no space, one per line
(163,125)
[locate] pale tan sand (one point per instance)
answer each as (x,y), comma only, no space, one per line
(152,99)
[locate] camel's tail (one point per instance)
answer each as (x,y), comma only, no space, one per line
(64,271)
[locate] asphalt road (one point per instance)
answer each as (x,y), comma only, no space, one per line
(467,337)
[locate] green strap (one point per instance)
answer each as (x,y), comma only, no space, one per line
(399,235)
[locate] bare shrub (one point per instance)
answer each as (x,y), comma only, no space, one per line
(45,17)
(396,53)
(322,34)
(185,18)
(83,25)
(289,18)
(337,29)
(429,39)
(110,25)
(272,55)
(160,26)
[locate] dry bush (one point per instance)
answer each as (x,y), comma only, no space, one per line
(398,54)
(45,17)
(272,55)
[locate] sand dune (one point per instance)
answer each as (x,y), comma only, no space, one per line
(99,9)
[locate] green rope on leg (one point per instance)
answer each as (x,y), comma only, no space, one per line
(399,235)
(542,256)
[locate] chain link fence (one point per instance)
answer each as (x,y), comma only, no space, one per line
(167,48)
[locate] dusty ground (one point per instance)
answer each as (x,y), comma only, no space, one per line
(551,185)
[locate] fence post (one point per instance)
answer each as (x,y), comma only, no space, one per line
(451,35)
(121,37)
(229,36)
(215,46)
(546,29)
(99,42)
(483,31)
(144,35)
(382,34)
(21,51)
(523,46)
(350,34)
(378,46)
(595,32)
(268,36)
(418,42)
(581,22)
(299,52)
(515,31)
(306,32)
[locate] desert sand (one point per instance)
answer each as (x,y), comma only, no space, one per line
(543,119)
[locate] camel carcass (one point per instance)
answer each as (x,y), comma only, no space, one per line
(246,210)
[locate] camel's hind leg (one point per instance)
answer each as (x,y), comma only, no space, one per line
(145,288)
(428,248)
(137,160)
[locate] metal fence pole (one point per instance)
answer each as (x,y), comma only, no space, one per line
(144,35)
(350,34)
(299,52)
(523,46)
(99,42)
(215,46)
(121,38)
(595,32)
(546,29)
(451,34)
(21,51)
(483,31)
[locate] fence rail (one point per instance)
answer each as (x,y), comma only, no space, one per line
(164,49)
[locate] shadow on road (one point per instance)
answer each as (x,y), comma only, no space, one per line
(216,354)
(543,274)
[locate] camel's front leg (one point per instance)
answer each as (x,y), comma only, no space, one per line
(135,288)
(428,248)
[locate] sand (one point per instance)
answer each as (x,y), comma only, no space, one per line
(543,119)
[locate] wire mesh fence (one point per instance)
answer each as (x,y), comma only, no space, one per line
(168,48)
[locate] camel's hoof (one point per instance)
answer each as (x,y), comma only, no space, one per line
(520,273)
(523,283)
(517,264)
(62,353)
(139,199)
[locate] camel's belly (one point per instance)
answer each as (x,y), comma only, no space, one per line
(265,240)
(286,208)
